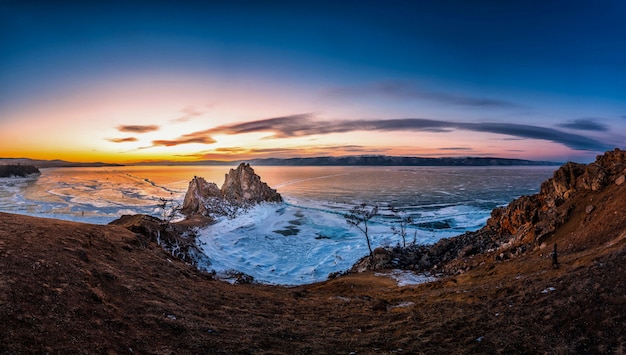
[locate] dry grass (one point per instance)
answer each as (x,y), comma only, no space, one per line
(73,288)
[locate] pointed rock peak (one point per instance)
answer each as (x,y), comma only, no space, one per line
(198,194)
(242,188)
(243,185)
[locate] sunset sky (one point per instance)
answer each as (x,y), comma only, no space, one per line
(140,81)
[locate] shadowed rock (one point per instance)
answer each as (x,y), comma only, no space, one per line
(18,170)
(199,196)
(244,186)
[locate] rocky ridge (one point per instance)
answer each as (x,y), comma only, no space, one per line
(242,188)
(527,223)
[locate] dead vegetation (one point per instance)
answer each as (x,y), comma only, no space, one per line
(71,288)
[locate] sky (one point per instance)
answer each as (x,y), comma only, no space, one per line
(134,81)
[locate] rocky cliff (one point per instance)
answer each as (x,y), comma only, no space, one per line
(532,219)
(577,197)
(242,188)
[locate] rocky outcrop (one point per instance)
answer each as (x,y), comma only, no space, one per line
(534,218)
(200,195)
(242,188)
(522,225)
(18,170)
(177,239)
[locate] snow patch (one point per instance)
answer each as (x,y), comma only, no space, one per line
(406,278)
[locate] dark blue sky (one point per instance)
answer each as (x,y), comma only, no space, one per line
(550,65)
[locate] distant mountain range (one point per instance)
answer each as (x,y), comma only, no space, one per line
(369,160)
(383,160)
(363,160)
(50,163)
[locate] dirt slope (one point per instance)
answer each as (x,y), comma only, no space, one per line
(67,287)
(76,288)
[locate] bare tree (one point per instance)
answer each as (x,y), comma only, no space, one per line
(404,220)
(169,211)
(358,217)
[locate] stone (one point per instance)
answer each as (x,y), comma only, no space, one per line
(620,180)
(244,186)
(595,177)
(589,209)
(199,195)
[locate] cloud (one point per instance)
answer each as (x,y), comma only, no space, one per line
(197,137)
(404,90)
(190,140)
(138,128)
(585,124)
(122,140)
(298,149)
(189,113)
(301,125)
(290,126)
(286,152)
(456,148)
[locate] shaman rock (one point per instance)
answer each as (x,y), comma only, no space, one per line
(244,186)
(199,196)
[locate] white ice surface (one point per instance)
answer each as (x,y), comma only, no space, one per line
(322,243)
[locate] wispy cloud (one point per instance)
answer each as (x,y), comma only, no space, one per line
(138,128)
(286,152)
(189,113)
(404,90)
(301,125)
(456,148)
(585,124)
(198,137)
(122,140)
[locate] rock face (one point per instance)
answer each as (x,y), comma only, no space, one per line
(533,218)
(18,170)
(200,194)
(242,188)
(177,239)
(523,225)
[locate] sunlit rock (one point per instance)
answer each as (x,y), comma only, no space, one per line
(242,188)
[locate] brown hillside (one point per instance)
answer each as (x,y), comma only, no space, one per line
(76,288)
